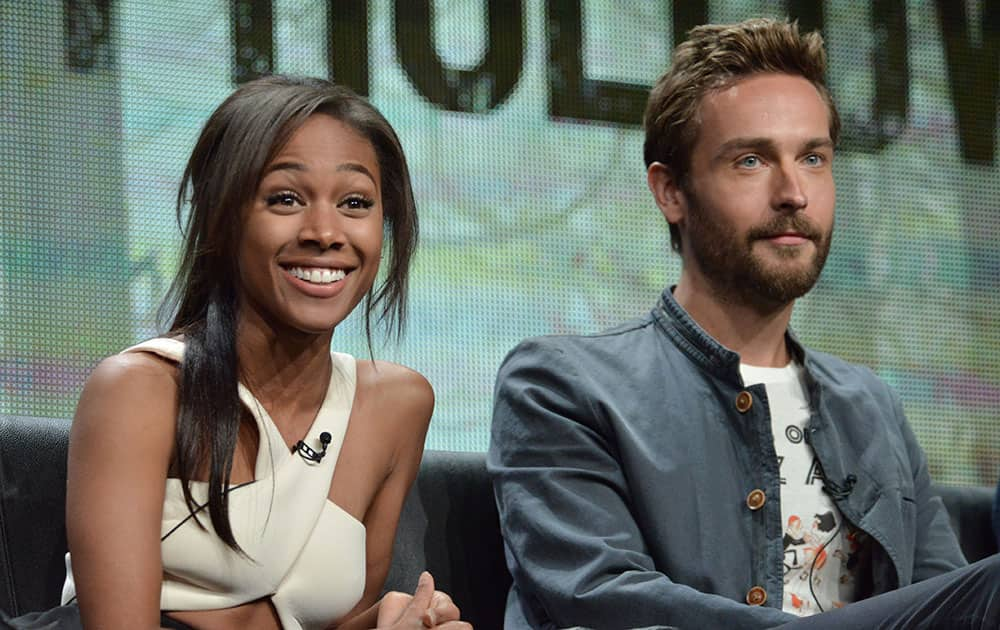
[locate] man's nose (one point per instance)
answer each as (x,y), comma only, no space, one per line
(789,191)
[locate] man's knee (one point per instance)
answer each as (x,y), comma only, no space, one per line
(988,570)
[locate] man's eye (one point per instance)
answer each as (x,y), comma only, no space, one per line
(750,161)
(282,199)
(814,160)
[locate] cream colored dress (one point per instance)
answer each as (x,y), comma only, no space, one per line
(305,553)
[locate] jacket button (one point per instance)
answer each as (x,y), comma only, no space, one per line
(756,596)
(756,499)
(744,400)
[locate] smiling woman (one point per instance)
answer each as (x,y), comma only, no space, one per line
(236,472)
(313,232)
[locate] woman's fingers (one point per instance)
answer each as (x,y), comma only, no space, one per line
(391,607)
(426,607)
(416,611)
(399,610)
(441,610)
(425,591)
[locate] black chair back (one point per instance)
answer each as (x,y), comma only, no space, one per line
(448,526)
(32,512)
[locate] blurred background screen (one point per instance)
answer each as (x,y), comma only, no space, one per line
(521,121)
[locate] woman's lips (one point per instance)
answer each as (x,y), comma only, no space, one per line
(322,287)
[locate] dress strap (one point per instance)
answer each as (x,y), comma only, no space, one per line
(335,412)
(165,347)
(332,418)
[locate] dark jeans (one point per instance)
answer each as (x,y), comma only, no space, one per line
(65,618)
(963,598)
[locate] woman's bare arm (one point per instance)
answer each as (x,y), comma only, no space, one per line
(402,402)
(120,449)
(392,410)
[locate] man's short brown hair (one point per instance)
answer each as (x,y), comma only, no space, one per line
(714,57)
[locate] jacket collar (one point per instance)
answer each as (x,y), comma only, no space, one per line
(701,347)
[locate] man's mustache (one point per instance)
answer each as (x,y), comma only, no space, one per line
(783,225)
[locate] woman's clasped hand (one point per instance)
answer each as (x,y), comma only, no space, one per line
(426,608)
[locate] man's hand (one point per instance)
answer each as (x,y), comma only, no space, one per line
(426,608)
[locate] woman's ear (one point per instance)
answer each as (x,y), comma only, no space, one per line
(667,193)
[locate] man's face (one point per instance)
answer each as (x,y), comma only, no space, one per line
(760,192)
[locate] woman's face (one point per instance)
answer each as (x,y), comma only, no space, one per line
(313,234)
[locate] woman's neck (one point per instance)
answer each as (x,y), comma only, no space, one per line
(286,370)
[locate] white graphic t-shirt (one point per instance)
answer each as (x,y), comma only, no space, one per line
(821,550)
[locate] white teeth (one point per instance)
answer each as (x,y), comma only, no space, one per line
(318,275)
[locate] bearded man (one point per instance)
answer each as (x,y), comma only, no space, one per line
(644,474)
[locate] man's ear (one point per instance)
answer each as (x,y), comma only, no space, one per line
(667,192)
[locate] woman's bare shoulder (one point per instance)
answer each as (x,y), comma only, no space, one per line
(132,374)
(390,387)
(394,405)
(134,391)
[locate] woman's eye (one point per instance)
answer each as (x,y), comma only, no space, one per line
(283,199)
(358,203)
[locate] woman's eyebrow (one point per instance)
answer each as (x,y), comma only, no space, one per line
(355,167)
(285,166)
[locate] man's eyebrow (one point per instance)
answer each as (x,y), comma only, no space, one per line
(818,143)
(761,144)
(765,145)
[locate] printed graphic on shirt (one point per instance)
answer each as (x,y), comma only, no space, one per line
(819,563)
(820,548)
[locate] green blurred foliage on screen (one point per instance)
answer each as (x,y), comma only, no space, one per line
(532,223)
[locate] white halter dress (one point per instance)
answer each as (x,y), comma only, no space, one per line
(305,553)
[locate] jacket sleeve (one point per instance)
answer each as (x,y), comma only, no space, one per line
(574,549)
(996,515)
(936,549)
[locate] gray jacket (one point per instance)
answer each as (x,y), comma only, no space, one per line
(622,463)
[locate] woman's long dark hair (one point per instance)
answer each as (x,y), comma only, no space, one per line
(240,138)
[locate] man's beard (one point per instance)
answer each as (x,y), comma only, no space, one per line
(728,261)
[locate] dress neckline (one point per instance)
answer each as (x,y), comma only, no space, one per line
(333,415)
